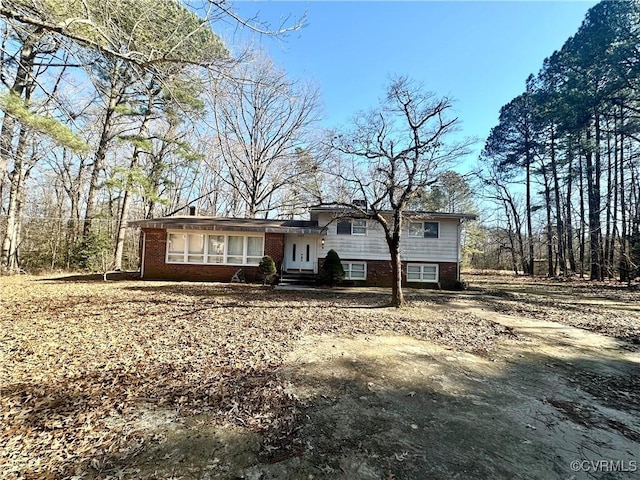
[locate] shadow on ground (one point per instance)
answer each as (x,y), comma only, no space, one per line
(95,277)
(398,408)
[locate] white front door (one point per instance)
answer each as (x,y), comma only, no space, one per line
(300,252)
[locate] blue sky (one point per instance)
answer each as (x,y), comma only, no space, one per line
(478,53)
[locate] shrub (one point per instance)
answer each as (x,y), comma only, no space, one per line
(460,285)
(332,272)
(267,269)
(94,253)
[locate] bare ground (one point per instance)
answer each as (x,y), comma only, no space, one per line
(131,379)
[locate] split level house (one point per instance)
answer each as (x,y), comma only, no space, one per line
(200,248)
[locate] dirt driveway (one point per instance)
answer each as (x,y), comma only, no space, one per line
(544,406)
(494,383)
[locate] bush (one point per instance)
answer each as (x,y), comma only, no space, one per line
(332,272)
(267,269)
(94,253)
(460,285)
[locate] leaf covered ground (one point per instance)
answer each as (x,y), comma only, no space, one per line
(610,308)
(78,359)
(82,359)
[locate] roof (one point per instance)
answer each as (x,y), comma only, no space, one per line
(407,213)
(230,224)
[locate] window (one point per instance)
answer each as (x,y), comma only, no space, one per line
(196,248)
(176,247)
(355,271)
(359,227)
(424,229)
(356,226)
(214,249)
(422,273)
(235,245)
(344,227)
(254,250)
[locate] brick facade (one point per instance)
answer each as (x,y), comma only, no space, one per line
(156,268)
(274,247)
(379,274)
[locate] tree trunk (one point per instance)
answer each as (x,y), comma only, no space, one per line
(126,199)
(583,220)
(22,86)
(559,223)
(549,230)
(615,233)
(593,196)
(157,169)
(608,242)
(510,236)
(21,83)
(624,256)
(597,200)
(9,253)
(569,213)
(529,270)
(98,160)
(393,240)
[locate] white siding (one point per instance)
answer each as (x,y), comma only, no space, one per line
(373,246)
(441,249)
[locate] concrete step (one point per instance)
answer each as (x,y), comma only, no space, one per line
(298,278)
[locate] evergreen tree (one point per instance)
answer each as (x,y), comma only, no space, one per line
(267,269)
(332,270)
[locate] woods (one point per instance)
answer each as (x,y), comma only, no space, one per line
(563,159)
(109,110)
(107,119)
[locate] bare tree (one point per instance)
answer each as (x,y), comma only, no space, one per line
(262,119)
(397,151)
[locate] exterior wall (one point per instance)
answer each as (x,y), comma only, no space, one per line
(370,248)
(379,274)
(274,247)
(373,245)
(156,268)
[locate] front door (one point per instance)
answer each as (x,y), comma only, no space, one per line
(300,252)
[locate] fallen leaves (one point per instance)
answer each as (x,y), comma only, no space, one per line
(79,360)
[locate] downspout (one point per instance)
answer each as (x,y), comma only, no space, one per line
(142,254)
(458,251)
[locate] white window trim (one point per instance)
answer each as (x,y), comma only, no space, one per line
(422,279)
(347,270)
(351,226)
(361,226)
(225,255)
(422,230)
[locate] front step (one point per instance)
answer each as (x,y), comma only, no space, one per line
(297,279)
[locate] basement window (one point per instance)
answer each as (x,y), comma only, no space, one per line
(355,270)
(422,273)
